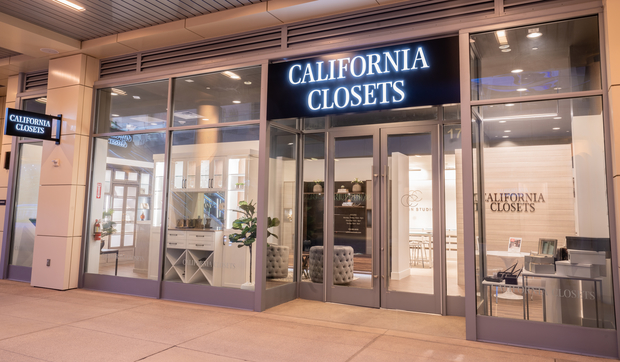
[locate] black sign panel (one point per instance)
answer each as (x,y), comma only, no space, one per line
(407,75)
(32,125)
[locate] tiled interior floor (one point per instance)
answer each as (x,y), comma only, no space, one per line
(80,325)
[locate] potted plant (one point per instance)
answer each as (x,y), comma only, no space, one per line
(317,186)
(357,185)
(247,225)
(107,227)
(239,185)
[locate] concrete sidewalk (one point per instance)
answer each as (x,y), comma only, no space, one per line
(80,325)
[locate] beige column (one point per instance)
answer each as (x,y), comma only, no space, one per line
(9,102)
(61,194)
(612,44)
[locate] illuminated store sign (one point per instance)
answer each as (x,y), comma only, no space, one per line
(408,75)
(32,125)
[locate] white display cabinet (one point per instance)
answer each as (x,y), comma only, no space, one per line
(198,174)
(194,257)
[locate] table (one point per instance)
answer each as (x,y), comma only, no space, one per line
(509,259)
(526,275)
(526,311)
(111,251)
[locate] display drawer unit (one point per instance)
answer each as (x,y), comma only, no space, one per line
(194,256)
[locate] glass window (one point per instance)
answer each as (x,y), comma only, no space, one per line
(453,196)
(543,198)
(314,123)
(37,105)
(27,199)
(228,96)
(212,199)
(314,201)
(422,113)
(127,209)
(132,107)
(282,208)
(550,58)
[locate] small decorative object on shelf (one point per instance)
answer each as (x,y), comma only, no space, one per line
(317,186)
(357,185)
(239,185)
(142,216)
(342,190)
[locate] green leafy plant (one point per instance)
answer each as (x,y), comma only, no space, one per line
(356,181)
(107,225)
(247,225)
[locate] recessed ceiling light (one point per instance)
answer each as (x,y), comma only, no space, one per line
(136,97)
(516,71)
(71,5)
(506,50)
(557,117)
(247,82)
(533,33)
(207,87)
(189,80)
(504,136)
(557,88)
(535,48)
(118,91)
(501,37)
(236,102)
(41,100)
(502,121)
(504,46)
(507,131)
(49,50)
(114,93)
(114,115)
(521,89)
(290,143)
(231,75)
(154,124)
(205,119)
(556,128)
(510,104)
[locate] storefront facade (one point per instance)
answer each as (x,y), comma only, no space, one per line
(453,149)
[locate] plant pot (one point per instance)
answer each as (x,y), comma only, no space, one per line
(317,188)
(356,188)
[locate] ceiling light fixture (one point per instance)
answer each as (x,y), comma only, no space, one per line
(502,121)
(236,102)
(41,100)
(153,124)
(501,37)
(118,91)
(114,94)
(136,97)
(247,82)
(189,80)
(556,128)
(504,46)
(207,87)
(506,50)
(231,75)
(522,116)
(510,104)
(516,71)
(557,117)
(534,48)
(71,5)
(505,136)
(533,33)
(114,115)
(507,131)
(290,143)
(521,89)
(205,119)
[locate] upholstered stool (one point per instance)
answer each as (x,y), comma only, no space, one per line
(343,264)
(277,261)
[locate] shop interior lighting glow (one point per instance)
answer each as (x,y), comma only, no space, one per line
(501,37)
(231,75)
(70,5)
(533,33)
(521,89)
(116,91)
(516,71)
(520,116)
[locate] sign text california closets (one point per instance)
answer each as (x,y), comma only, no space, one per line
(408,75)
(32,125)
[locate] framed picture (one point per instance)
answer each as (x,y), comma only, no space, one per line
(514,245)
(547,246)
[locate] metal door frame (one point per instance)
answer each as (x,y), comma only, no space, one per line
(427,303)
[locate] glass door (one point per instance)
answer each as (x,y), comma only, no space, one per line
(411,219)
(352,251)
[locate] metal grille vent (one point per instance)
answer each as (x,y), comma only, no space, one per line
(35,81)
(118,66)
(388,20)
(246,44)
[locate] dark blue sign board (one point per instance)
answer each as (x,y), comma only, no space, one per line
(399,76)
(32,125)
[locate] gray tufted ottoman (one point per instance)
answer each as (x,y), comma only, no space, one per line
(343,264)
(277,261)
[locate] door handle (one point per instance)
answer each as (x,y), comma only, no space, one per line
(375,276)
